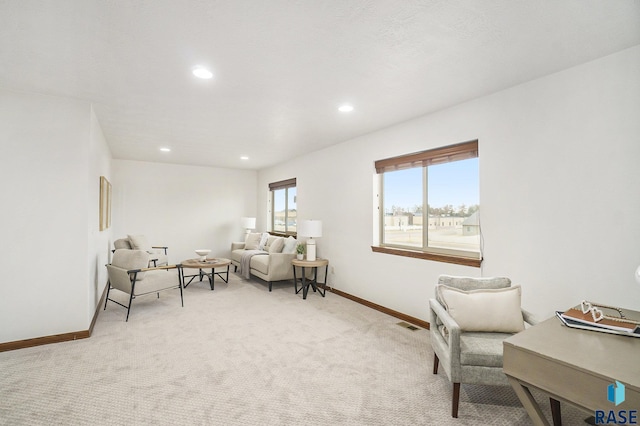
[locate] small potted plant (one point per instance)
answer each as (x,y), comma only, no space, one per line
(300,251)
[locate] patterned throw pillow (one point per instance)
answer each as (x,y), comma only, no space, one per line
(263,241)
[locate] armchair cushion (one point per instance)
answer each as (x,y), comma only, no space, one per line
(130,260)
(139,242)
(482,349)
(486,310)
(122,243)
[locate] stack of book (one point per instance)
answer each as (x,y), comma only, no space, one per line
(575,318)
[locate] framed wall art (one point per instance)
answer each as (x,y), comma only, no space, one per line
(105,203)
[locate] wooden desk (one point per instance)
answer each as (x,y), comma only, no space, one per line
(573,366)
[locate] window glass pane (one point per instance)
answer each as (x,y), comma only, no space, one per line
(291,210)
(279,210)
(403,207)
(454,198)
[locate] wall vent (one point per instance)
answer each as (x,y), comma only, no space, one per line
(407,325)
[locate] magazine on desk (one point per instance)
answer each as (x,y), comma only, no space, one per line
(574,318)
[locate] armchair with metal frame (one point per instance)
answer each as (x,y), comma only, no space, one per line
(128,272)
(157,254)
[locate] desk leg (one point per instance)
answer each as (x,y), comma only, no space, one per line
(556,414)
(529,403)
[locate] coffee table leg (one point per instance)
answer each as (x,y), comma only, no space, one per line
(211,278)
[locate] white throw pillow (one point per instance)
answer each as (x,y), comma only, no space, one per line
(289,245)
(252,241)
(139,242)
(490,310)
(263,241)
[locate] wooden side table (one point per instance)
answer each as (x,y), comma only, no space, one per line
(313,282)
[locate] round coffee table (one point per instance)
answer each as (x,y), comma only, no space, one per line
(201,265)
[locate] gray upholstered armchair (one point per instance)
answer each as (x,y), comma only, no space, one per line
(158,254)
(128,272)
(469,319)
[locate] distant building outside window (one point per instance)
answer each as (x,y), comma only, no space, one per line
(429,203)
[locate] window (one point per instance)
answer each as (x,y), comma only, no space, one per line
(283,206)
(429,204)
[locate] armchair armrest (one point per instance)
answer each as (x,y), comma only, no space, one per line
(161,248)
(155,268)
(529,318)
(439,313)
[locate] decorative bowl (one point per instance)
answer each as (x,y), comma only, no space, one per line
(203,254)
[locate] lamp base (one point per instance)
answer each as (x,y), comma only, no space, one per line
(311,249)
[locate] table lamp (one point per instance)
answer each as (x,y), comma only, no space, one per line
(248,223)
(311,229)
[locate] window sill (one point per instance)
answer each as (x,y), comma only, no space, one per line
(458,260)
(283,234)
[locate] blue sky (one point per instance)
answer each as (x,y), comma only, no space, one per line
(452,183)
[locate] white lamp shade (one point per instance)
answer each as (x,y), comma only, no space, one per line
(310,228)
(249,222)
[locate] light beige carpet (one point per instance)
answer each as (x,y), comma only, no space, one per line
(240,355)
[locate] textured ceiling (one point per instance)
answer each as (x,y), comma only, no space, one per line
(282,67)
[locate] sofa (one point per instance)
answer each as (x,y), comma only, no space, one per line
(265,256)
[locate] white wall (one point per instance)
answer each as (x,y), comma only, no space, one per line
(182,207)
(49,186)
(99,242)
(563,146)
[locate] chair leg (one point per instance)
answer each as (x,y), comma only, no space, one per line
(269,285)
(455,400)
(555,412)
(436,363)
(106,298)
(129,307)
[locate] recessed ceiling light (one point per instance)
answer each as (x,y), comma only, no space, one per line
(201,72)
(244,157)
(346,108)
(165,149)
